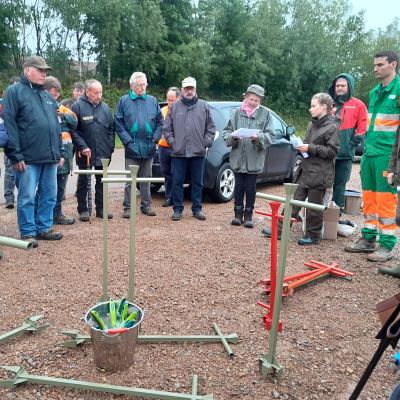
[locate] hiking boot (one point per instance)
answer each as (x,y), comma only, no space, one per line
(127,213)
(63,220)
(199,215)
(9,205)
(50,235)
(362,246)
(84,216)
(238,220)
(149,212)
(381,255)
(176,216)
(247,220)
(392,271)
(31,239)
(307,240)
(168,203)
(267,232)
(99,214)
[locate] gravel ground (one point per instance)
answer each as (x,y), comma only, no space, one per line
(190,274)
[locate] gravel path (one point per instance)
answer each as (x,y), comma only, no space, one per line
(189,275)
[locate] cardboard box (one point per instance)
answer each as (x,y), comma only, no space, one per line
(385,308)
(330,221)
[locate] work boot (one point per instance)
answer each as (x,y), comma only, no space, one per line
(31,239)
(84,216)
(267,232)
(50,235)
(307,240)
(127,213)
(9,204)
(248,215)
(176,216)
(362,245)
(392,271)
(99,214)
(149,212)
(381,255)
(199,215)
(238,220)
(168,203)
(63,220)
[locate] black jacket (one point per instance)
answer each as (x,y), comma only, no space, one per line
(30,116)
(95,131)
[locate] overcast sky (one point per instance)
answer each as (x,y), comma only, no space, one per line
(378,13)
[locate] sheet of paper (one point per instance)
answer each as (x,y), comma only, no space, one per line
(245,132)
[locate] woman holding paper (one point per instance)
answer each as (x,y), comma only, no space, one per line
(247,132)
(317,171)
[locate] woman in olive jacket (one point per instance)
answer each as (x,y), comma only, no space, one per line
(248,153)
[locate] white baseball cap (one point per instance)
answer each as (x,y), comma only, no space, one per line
(189,81)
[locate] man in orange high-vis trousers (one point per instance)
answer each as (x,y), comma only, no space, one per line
(379,198)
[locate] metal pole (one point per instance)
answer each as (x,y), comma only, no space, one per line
(21,376)
(132,240)
(18,244)
(270,365)
(306,204)
(29,325)
(223,340)
(105,163)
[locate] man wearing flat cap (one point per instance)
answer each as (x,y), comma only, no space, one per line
(189,130)
(35,148)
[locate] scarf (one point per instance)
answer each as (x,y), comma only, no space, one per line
(189,102)
(248,110)
(134,96)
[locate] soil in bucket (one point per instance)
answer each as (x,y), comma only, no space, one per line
(114,339)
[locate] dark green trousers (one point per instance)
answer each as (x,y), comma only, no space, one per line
(342,176)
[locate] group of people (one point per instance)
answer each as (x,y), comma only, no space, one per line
(42,134)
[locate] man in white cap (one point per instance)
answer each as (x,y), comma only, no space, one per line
(189,130)
(35,148)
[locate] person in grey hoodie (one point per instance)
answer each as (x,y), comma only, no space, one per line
(248,153)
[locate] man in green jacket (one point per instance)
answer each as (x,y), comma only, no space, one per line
(353,115)
(379,198)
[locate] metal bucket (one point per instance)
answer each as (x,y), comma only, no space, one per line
(113,352)
(352,202)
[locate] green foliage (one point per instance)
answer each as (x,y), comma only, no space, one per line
(294,48)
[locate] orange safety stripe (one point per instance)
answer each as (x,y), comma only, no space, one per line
(386,122)
(66,137)
(386,205)
(163,142)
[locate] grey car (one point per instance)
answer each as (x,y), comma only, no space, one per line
(281,159)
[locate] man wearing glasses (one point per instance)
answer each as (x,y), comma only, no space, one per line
(35,148)
(138,123)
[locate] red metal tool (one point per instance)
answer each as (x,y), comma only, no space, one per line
(275,217)
(318,270)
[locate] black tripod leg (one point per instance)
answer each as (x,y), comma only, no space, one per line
(384,343)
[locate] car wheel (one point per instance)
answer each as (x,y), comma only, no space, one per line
(224,184)
(295,168)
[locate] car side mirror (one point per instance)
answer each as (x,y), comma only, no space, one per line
(290,130)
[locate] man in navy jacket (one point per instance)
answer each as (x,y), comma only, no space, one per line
(35,148)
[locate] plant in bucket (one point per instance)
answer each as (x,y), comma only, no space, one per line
(114,333)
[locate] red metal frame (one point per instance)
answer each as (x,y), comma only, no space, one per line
(318,270)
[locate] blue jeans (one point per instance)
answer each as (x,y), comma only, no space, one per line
(164,154)
(42,178)
(180,166)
